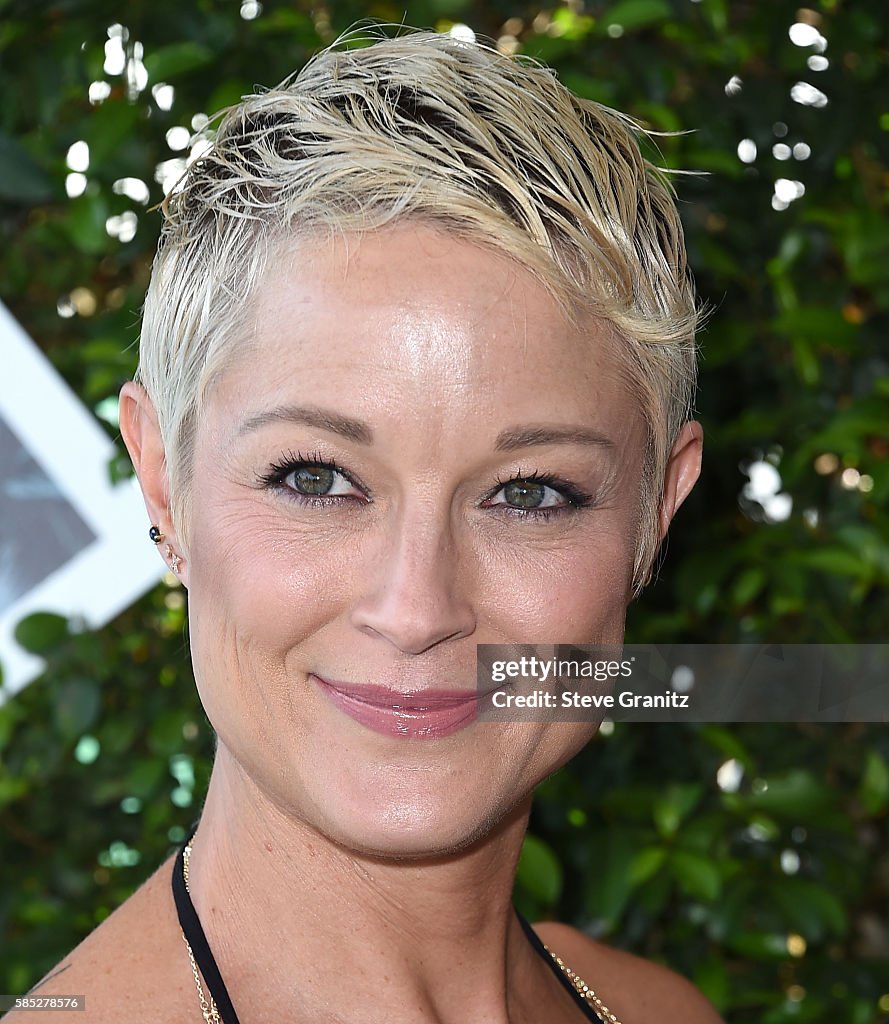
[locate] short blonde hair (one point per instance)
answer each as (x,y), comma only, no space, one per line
(489,147)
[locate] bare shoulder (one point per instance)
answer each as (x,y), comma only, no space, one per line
(131,966)
(635,990)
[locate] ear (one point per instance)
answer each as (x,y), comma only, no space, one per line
(142,436)
(683,470)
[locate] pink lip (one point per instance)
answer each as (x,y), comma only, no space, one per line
(427,714)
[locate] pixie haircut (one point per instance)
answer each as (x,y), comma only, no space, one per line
(489,148)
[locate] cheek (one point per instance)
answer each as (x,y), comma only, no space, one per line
(574,592)
(258,589)
(266,577)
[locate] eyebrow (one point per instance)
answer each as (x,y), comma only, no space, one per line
(311,416)
(360,432)
(527,437)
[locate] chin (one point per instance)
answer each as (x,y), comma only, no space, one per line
(397,825)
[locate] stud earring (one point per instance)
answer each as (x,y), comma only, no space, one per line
(155,535)
(174,559)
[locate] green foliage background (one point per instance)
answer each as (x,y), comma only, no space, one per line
(773,898)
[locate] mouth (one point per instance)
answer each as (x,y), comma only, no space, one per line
(425,714)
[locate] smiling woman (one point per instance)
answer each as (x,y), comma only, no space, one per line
(415,375)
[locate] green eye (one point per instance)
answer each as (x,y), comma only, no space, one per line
(313,479)
(524,493)
(538,496)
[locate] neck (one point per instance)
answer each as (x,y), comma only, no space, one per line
(301,926)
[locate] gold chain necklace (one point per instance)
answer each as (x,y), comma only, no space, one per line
(584,990)
(208,1009)
(211,1014)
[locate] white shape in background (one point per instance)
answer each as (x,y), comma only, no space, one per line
(764,488)
(250,9)
(462,32)
(803,35)
(198,149)
(781,151)
(733,86)
(802,151)
(133,188)
(75,184)
(817,63)
(178,137)
(787,190)
(729,775)
(808,95)
(682,679)
(73,453)
(757,833)
(108,409)
(78,158)
(168,172)
(115,55)
(850,478)
(747,151)
(789,862)
(163,95)
(122,226)
(99,92)
(137,73)
(778,508)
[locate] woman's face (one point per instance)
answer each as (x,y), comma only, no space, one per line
(415,454)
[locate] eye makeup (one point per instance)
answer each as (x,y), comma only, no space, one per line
(533,492)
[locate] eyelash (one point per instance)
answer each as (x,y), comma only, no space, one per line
(277,473)
(575,498)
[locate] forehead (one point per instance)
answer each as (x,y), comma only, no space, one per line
(409,317)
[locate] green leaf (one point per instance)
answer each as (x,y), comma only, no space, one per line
(22,181)
(109,127)
(701,833)
(674,805)
(608,885)
(175,59)
(748,585)
(697,875)
(571,25)
(76,707)
(228,93)
(823,325)
(759,945)
(808,366)
(645,864)
(146,778)
(86,219)
(726,742)
(791,795)
(40,632)
(636,14)
(712,978)
(874,788)
(809,908)
(834,560)
(539,870)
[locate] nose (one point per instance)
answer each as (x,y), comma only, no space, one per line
(422,591)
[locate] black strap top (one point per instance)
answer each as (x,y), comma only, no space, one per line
(203,956)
